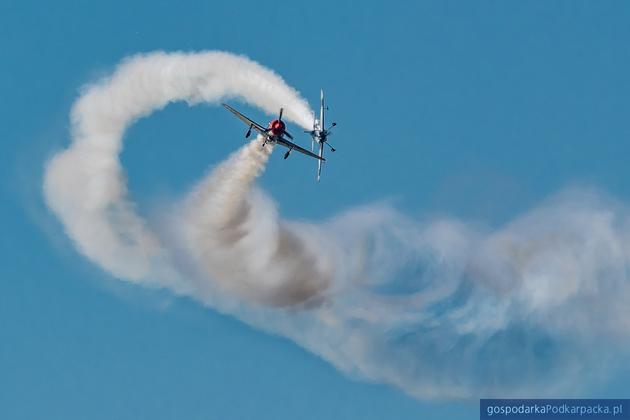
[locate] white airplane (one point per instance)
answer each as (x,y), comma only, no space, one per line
(274,133)
(320,135)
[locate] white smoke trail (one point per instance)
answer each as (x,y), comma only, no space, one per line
(439,309)
(85,185)
(237,240)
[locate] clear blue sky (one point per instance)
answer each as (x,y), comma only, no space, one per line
(474,110)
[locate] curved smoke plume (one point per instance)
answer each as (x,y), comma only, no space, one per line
(439,309)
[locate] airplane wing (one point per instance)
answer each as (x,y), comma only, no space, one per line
(319,162)
(246,120)
(293,146)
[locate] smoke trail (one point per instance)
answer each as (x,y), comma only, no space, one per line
(439,308)
(237,239)
(85,185)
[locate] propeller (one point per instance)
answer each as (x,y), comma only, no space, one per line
(280,117)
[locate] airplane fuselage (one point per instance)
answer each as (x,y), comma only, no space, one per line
(320,135)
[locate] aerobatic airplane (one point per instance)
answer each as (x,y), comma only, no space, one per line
(320,134)
(274,133)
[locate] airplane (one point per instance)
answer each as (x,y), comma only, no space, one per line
(320,135)
(274,133)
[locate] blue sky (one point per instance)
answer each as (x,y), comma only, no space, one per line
(476,111)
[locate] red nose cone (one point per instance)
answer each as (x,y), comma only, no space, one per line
(277,127)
